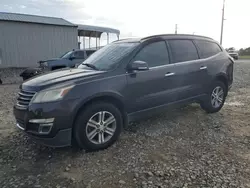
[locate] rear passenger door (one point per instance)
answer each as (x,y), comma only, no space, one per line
(190,71)
(209,54)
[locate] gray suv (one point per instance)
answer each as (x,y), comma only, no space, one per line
(124,81)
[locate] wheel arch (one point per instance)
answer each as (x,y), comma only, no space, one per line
(223,78)
(112,98)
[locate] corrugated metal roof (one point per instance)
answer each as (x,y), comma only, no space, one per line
(98,29)
(34,19)
(95,31)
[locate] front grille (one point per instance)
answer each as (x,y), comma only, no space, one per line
(24,98)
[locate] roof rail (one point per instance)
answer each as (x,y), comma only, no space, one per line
(124,39)
(165,35)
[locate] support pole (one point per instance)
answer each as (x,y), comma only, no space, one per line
(89,41)
(107,38)
(96,40)
(79,42)
(83,41)
(222,22)
(176,28)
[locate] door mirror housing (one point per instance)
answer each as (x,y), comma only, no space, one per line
(138,65)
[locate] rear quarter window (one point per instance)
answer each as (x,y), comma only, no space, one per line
(207,49)
(182,50)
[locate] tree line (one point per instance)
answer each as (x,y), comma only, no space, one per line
(245,51)
(242,51)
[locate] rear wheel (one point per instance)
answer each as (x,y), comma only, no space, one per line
(98,126)
(214,101)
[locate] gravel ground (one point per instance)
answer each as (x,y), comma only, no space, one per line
(179,148)
(11,75)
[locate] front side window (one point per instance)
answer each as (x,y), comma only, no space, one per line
(207,49)
(155,54)
(183,50)
(66,55)
(109,56)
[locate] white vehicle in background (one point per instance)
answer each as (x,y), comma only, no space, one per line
(233,53)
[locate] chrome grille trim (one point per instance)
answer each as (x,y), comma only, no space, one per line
(24,98)
(25,95)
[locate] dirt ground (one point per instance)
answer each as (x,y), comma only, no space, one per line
(180,148)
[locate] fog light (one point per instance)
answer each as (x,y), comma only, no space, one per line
(45,125)
(50,120)
(45,128)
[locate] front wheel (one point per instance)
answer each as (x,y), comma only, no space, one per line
(98,126)
(214,101)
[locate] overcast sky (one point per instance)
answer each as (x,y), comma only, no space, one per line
(140,18)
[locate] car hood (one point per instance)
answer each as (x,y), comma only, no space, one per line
(53,59)
(59,77)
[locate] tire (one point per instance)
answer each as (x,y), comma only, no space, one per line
(210,105)
(82,126)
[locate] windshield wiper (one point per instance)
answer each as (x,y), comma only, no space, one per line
(90,65)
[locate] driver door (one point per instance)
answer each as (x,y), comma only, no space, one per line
(150,88)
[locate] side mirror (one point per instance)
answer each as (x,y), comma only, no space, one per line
(138,65)
(71,58)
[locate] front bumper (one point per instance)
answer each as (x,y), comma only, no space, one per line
(36,116)
(61,139)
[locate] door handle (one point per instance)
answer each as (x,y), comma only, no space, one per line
(203,68)
(169,74)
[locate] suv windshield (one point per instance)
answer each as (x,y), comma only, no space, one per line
(66,55)
(109,56)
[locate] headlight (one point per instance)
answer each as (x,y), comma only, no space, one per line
(51,95)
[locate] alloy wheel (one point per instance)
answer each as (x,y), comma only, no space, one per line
(101,127)
(217,97)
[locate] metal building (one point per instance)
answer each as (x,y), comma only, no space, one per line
(27,39)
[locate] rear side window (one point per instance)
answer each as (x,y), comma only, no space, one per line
(79,54)
(207,49)
(89,52)
(183,50)
(155,54)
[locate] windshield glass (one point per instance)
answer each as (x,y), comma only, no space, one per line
(109,56)
(66,55)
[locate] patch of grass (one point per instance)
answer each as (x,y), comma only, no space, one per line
(245,57)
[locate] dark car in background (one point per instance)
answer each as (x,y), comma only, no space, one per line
(70,59)
(122,82)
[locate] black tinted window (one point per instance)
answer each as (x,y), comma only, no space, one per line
(155,54)
(183,50)
(79,54)
(89,52)
(207,49)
